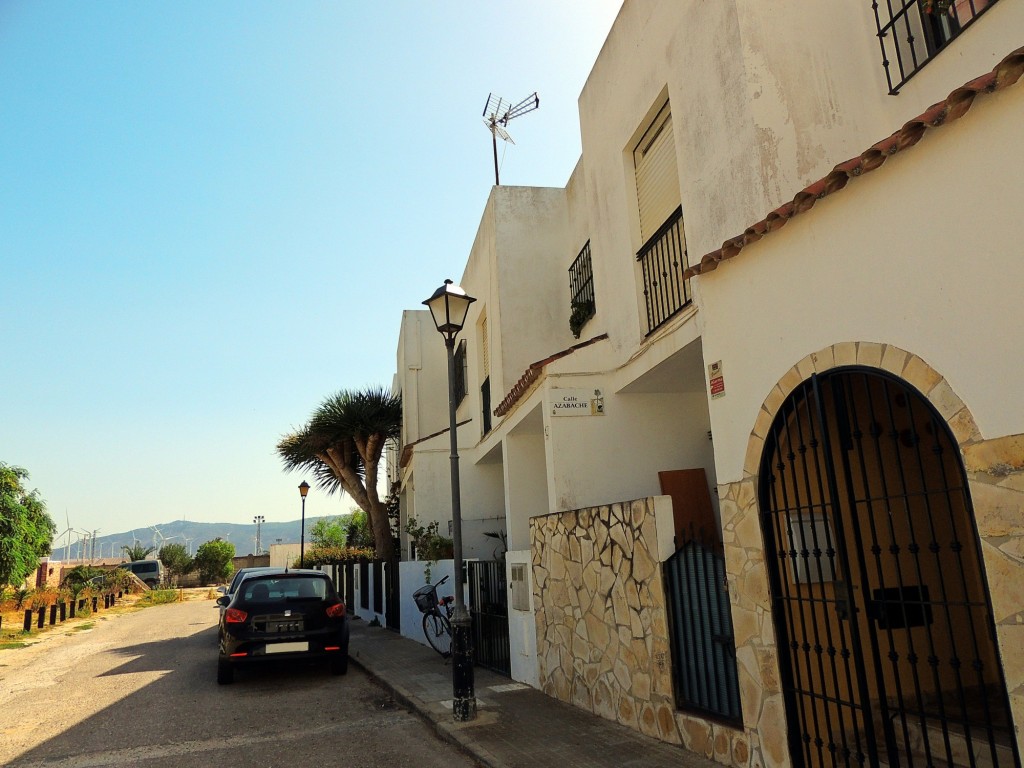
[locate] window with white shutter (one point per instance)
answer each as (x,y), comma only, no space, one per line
(657,176)
(662,256)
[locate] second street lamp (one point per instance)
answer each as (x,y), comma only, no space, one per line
(303,490)
(449,306)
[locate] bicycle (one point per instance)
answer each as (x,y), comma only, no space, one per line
(437,626)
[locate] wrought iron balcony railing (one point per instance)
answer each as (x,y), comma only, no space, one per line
(911,32)
(663,261)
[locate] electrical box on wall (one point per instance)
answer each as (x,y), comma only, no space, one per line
(520,587)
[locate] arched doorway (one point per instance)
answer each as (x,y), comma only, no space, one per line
(885,634)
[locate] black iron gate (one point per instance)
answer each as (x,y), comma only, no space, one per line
(488,607)
(885,630)
(350,585)
(392,599)
(703,652)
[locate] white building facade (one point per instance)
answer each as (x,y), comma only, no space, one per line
(769,504)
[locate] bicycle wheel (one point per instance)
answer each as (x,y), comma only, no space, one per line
(439,633)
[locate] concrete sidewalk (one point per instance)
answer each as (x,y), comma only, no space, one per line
(517,726)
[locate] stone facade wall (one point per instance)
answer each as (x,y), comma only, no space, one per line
(995,473)
(602,625)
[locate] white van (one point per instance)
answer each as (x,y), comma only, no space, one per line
(150,571)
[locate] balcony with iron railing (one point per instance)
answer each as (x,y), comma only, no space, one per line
(911,32)
(662,263)
(581,290)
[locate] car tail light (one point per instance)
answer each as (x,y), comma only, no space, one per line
(336,611)
(235,616)
(332,647)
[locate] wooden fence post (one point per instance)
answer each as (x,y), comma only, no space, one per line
(42,617)
(28,620)
(53,614)
(63,611)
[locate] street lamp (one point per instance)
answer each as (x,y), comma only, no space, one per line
(449,306)
(303,490)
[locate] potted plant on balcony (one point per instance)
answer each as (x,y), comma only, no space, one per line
(581,312)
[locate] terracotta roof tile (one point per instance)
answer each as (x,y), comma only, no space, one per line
(406,456)
(953,107)
(534,372)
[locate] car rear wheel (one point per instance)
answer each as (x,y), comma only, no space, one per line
(339,664)
(225,672)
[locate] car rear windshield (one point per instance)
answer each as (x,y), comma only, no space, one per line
(263,590)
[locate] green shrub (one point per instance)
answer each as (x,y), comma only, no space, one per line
(316,556)
(160,597)
(21,596)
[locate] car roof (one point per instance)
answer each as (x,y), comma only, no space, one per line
(243,573)
(289,572)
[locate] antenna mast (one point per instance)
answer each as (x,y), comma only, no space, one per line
(497,113)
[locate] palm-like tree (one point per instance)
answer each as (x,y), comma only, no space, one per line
(137,551)
(342,444)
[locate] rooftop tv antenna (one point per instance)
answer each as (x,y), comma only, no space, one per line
(497,113)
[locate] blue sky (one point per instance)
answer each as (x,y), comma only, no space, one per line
(213,214)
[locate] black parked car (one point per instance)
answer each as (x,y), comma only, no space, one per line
(288,616)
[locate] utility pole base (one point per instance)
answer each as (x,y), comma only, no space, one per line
(464,709)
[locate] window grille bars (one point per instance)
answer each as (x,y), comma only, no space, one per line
(581,290)
(911,32)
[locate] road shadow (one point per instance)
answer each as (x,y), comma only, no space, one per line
(169,709)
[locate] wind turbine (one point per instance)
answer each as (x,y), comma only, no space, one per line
(66,532)
(157,535)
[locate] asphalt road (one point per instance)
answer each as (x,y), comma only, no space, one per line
(140,690)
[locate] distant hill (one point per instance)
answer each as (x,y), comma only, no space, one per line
(191,534)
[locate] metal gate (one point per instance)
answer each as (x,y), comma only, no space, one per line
(392,598)
(704,672)
(885,629)
(488,607)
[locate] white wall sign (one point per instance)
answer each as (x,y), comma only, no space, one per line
(577,402)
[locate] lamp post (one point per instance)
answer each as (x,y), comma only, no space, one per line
(449,306)
(303,490)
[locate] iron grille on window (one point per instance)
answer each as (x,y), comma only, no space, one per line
(581,289)
(485,404)
(461,371)
(911,32)
(663,261)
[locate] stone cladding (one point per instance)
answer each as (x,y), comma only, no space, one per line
(602,627)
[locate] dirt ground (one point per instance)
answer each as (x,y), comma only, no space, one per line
(13,636)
